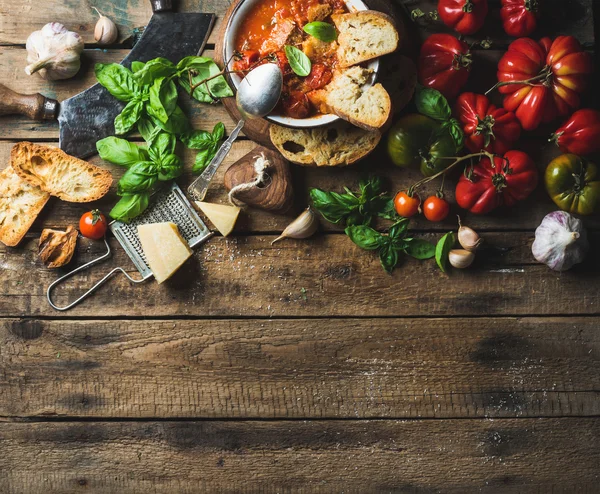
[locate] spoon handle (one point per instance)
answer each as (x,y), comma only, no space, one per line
(200,186)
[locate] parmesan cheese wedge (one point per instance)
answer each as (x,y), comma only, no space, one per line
(223,217)
(164,248)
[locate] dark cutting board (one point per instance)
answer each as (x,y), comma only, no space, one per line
(258,129)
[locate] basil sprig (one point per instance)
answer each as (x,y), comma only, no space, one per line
(443,248)
(206,143)
(299,62)
(323,31)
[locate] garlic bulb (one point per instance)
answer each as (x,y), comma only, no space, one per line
(54,52)
(105,32)
(560,241)
(302,227)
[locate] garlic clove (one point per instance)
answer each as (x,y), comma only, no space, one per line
(468,238)
(105,32)
(461,258)
(304,226)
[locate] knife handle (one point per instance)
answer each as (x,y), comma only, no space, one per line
(161,5)
(34,106)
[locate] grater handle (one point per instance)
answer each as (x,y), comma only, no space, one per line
(199,188)
(94,288)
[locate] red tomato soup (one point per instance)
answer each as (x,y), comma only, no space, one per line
(273,24)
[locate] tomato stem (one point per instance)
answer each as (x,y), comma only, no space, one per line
(531,5)
(468,6)
(462,61)
(544,75)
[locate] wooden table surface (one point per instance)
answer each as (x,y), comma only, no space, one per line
(300,367)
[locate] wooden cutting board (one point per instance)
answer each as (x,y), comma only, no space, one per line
(258,129)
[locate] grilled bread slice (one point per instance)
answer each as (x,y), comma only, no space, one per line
(338,144)
(364,36)
(20,205)
(347,97)
(59,174)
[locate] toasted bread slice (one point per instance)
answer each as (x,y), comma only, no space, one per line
(20,205)
(59,174)
(338,144)
(347,97)
(364,36)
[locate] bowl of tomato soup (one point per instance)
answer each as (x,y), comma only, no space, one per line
(262,31)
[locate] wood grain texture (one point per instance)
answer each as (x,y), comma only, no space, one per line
(247,277)
(499,456)
(326,368)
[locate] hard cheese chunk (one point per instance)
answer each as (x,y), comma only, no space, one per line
(223,217)
(164,248)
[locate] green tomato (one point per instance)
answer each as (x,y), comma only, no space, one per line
(417,140)
(573,184)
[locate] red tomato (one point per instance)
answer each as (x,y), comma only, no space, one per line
(444,64)
(93,225)
(296,105)
(508,181)
(464,16)
(556,72)
(405,205)
(249,58)
(436,209)
(486,127)
(283,63)
(519,17)
(580,134)
(319,76)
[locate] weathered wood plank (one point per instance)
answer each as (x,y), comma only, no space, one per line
(246,276)
(464,456)
(331,368)
(20,19)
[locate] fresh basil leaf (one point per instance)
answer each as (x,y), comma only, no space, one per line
(170,168)
(118,80)
(155,69)
(130,207)
(203,68)
(456,132)
(177,123)
(432,103)
(323,31)
(148,130)
(193,62)
(442,249)
(162,146)
(388,211)
(370,188)
(334,207)
(137,66)
(399,229)
(218,132)
(389,257)
(120,151)
(299,62)
(365,237)
(126,120)
(204,157)
(197,139)
(139,178)
(163,99)
(420,249)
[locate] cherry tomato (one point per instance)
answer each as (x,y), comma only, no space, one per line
(296,105)
(93,225)
(405,205)
(436,209)
(319,76)
(249,58)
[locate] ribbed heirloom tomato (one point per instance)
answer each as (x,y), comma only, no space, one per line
(486,127)
(519,17)
(464,16)
(580,134)
(444,64)
(542,81)
(508,180)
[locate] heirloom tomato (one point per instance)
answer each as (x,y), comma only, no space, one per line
(580,134)
(519,17)
(444,64)
(542,81)
(573,184)
(488,185)
(419,140)
(464,16)
(486,127)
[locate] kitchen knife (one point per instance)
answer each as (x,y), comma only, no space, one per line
(89,116)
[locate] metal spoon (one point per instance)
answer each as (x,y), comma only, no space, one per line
(257,96)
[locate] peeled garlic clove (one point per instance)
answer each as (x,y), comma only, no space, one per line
(303,226)
(468,238)
(105,32)
(460,258)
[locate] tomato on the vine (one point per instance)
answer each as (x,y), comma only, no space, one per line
(580,134)
(486,127)
(436,208)
(246,60)
(519,17)
(407,205)
(93,225)
(464,16)
(444,64)
(488,185)
(542,81)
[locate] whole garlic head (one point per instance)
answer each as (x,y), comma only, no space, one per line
(560,241)
(54,52)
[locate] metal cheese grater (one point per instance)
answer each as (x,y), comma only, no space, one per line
(168,205)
